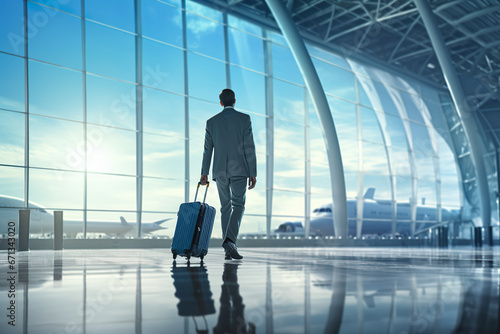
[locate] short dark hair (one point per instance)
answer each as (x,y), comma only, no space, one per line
(227,97)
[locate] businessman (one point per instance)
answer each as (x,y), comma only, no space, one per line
(229,136)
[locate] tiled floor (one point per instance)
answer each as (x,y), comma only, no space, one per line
(299,290)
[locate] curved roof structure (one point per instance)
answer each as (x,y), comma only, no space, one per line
(392,33)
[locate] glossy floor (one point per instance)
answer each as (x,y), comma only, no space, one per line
(311,290)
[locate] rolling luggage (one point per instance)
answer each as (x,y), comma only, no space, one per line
(194,227)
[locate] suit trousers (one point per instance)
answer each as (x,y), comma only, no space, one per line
(232,195)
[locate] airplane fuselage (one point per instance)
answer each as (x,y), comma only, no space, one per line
(377,218)
(42,222)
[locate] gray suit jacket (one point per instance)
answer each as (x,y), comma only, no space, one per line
(229,135)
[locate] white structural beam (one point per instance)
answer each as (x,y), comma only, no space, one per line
(459,100)
(268,61)
(478,13)
(313,84)
(307,158)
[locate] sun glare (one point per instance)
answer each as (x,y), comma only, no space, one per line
(98,161)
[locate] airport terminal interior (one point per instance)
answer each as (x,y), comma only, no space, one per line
(376,126)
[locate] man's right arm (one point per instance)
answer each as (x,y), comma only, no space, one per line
(207,152)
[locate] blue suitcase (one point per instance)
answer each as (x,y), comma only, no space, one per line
(194,227)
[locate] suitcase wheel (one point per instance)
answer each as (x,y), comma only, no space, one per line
(175,256)
(201,257)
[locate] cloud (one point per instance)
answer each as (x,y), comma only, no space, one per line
(290,173)
(315,191)
(286,148)
(286,108)
(110,192)
(288,203)
(162,195)
(256,199)
(202,25)
(12,154)
(11,104)
(164,155)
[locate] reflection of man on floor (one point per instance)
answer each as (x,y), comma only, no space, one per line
(231,315)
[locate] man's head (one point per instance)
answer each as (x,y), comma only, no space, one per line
(227,98)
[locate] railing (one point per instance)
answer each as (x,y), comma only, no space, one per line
(461,233)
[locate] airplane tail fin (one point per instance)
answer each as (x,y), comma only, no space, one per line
(124,222)
(370,193)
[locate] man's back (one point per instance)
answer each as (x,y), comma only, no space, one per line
(230,134)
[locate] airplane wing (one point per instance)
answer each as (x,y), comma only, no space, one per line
(109,228)
(159,222)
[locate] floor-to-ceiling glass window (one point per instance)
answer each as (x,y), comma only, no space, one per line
(289,188)
(163,110)
(88,108)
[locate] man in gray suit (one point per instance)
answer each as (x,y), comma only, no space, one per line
(229,135)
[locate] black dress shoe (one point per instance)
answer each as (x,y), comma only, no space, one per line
(227,256)
(230,248)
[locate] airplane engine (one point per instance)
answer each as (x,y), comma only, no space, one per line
(290,227)
(287,227)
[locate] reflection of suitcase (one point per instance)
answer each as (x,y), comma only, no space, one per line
(194,227)
(192,288)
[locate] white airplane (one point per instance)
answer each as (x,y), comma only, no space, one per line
(377,218)
(42,222)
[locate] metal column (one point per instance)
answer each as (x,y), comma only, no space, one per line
(307,159)
(186,104)
(226,50)
(458,96)
(139,124)
(304,62)
(497,151)
(24,230)
(268,63)
(58,230)
(437,175)
(27,109)
(360,203)
(478,236)
(84,85)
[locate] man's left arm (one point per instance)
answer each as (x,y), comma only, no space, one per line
(207,155)
(249,148)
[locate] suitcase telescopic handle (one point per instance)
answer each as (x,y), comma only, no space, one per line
(198,187)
